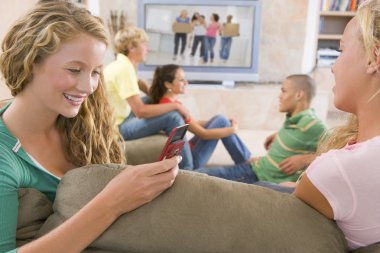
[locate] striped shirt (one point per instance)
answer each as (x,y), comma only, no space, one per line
(298,135)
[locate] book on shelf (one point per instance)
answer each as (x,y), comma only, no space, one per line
(340,5)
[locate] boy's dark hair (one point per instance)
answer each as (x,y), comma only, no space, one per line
(305,83)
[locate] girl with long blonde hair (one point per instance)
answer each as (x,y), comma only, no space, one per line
(342,183)
(60,119)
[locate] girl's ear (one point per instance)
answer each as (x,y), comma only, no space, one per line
(167,85)
(374,66)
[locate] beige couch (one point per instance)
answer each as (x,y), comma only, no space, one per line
(198,214)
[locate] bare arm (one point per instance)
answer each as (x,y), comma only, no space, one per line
(132,188)
(143,86)
(147,111)
(294,163)
(309,194)
(209,134)
(268,141)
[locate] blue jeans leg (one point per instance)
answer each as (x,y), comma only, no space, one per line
(240,173)
(276,187)
(135,128)
(225,47)
(206,48)
(203,149)
(212,42)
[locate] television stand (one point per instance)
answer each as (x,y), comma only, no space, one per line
(228,83)
(225,83)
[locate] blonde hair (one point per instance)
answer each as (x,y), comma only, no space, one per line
(368,17)
(89,137)
(129,37)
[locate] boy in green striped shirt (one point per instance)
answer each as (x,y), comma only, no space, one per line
(292,148)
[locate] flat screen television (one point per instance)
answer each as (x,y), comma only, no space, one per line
(159,19)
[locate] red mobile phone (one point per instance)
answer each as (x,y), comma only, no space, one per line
(175,142)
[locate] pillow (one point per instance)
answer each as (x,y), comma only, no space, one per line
(201,214)
(34,208)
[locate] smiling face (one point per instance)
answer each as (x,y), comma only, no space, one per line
(179,84)
(350,71)
(63,80)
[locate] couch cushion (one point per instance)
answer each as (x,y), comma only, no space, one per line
(201,214)
(145,150)
(34,208)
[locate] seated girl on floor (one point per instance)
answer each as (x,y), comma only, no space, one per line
(168,83)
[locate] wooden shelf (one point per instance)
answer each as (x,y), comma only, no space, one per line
(331,28)
(329,36)
(338,13)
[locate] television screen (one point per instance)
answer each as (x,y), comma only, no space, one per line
(204,37)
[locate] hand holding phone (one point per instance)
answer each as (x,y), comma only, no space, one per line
(175,142)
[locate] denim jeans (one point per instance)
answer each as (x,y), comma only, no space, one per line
(177,38)
(243,173)
(203,149)
(209,46)
(225,46)
(135,128)
(198,39)
(240,172)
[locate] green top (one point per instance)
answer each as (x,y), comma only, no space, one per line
(298,135)
(17,170)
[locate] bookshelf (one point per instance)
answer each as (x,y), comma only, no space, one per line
(331,27)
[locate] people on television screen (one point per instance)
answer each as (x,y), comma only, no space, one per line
(225,41)
(210,39)
(181,36)
(199,27)
(193,20)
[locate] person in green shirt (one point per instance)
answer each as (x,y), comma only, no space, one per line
(60,119)
(292,148)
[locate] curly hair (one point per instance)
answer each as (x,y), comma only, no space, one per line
(165,73)
(89,135)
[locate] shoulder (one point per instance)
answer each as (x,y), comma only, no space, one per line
(120,65)
(10,172)
(165,100)
(310,121)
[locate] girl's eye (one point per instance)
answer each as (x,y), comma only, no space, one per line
(75,71)
(96,73)
(339,50)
